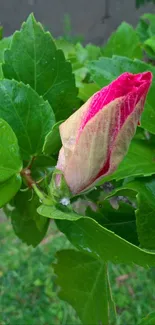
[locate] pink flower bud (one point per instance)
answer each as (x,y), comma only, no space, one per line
(97,136)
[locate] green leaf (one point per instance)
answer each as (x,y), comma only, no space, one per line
(29,115)
(9,188)
(125,42)
(67,48)
(148,320)
(4,44)
(120,220)
(93,52)
(53,143)
(83,283)
(42,167)
(146,211)
(88,236)
(10,163)
(28,225)
(1,72)
(53,212)
(34,60)
(149,47)
(146,26)
(139,161)
(105,70)
(87,90)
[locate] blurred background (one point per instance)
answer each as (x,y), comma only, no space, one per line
(29,294)
(94,20)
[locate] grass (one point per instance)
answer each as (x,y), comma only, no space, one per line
(30,297)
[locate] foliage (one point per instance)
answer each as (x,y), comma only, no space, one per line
(42,82)
(34,293)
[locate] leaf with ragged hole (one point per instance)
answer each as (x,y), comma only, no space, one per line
(41,66)
(28,225)
(121,220)
(29,115)
(9,188)
(10,162)
(124,41)
(139,161)
(105,70)
(53,142)
(145,193)
(145,213)
(89,236)
(83,283)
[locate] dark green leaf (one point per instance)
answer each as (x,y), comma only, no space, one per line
(146,211)
(29,115)
(53,143)
(8,189)
(42,167)
(124,41)
(34,60)
(145,220)
(140,160)
(121,220)
(105,70)
(83,283)
(28,225)
(88,236)
(10,162)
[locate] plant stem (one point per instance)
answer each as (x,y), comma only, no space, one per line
(45,199)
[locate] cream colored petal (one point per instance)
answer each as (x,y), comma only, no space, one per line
(90,153)
(69,129)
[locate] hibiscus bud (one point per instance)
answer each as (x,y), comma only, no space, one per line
(97,136)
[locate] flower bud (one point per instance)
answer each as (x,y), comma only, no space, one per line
(97,136)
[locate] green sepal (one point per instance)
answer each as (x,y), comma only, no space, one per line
(59,191)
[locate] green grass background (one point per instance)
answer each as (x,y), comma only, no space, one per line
(29,295)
